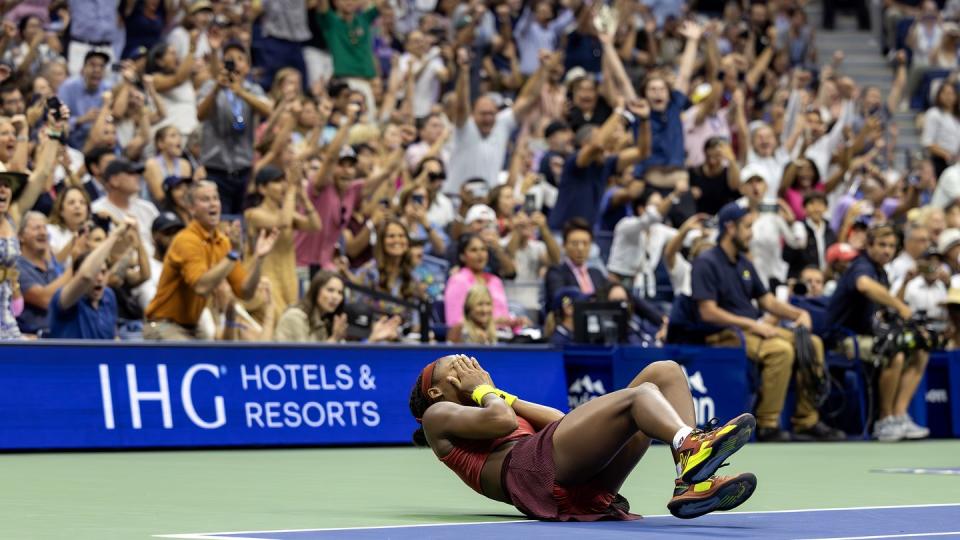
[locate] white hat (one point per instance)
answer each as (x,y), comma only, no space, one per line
(752,170)
(478,212)
(948,239)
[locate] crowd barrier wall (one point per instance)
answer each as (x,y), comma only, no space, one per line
(88,395)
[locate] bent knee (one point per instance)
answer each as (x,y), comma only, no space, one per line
(665,370)
(778,350)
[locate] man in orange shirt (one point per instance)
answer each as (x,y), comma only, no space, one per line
(198,260)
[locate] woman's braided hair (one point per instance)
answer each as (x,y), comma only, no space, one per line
(418,406)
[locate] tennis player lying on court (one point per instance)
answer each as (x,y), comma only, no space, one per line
(570,467)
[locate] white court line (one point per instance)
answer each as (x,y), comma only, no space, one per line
(911,535)
(214,535)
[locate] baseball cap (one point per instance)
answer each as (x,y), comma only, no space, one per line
(731,212)
(478,212)
(841,251)
(575,73)
(268,174)
(166,222)
(752,172)
(121,165)
(569,294)
(171,182)
(347,153)
(948,239)
(136,53)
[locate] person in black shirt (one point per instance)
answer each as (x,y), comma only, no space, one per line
(717,181)
(861,289)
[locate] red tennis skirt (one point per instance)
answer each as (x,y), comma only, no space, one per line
(528,477)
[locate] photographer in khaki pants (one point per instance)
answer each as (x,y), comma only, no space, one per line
(861,289)
(725,283)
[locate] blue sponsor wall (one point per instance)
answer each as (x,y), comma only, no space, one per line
(55,395)
(76,395)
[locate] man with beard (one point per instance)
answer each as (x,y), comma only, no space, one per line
(860,291)
(724,285)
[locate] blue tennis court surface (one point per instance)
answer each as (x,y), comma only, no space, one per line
(942,521)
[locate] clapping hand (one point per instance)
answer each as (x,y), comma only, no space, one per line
(265,241)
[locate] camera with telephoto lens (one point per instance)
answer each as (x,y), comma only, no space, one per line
(895,335)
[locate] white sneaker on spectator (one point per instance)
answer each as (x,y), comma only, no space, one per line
(910,428)
(888,429)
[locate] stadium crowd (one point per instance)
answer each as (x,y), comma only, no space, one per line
(319,171)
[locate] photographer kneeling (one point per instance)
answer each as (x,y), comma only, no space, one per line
(860,290)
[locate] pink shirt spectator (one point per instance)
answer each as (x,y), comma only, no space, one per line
(794,200)
(695,136)
(455,295)
(317,248)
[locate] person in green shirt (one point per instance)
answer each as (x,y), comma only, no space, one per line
(347,30)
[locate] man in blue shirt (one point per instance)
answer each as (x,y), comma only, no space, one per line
(40,275)
(93,27)
(853,305)
(598,158)
(86,308)
(725,284)
(84,95)
(665,166)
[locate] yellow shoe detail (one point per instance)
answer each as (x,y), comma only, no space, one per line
(727,429)
(695,459)
(703,486)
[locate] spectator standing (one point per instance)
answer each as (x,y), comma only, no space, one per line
(716,182)
(285,31)
(724,285)
(122,200)
(941,127)
(94,27)
(200,258)
(774,227)
(429,72)
(819,237)
(283,199)
(172,79)
(348,34)
(228,109)
(599,157)
(860,291)
(145,22)
(83,94)
(481,133)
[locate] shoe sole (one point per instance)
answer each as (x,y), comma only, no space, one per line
(722,448)
(728,497)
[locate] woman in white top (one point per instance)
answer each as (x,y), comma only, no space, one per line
(67,228)
(941,127)
(169,161)
(172,79)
